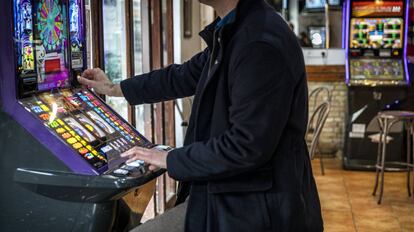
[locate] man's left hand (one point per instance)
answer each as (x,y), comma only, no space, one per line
(156,158)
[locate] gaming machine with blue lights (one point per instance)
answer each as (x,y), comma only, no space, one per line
(60,144)
(377,76)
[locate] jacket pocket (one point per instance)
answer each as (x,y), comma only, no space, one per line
(257,181)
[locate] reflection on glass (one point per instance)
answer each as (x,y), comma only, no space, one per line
(115,49)
(142,112)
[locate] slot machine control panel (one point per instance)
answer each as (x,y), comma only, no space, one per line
(83,121)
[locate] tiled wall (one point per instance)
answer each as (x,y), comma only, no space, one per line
(332,137)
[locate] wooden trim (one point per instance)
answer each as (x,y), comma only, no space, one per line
(129,31)
(156,63)
(97,34)
(325,73)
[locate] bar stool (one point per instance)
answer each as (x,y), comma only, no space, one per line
(386,120)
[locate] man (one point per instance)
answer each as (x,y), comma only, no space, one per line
(244,165)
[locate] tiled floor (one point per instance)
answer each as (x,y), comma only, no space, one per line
(348,204)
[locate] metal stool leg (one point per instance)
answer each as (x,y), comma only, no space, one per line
(377,164)
(377,170)
(412,146)
(384,151)
(408,158)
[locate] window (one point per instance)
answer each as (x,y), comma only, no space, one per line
(115,54)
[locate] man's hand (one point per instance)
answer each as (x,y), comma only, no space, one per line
(156,158)
(99,81)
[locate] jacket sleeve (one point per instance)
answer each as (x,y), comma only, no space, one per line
(261,94)
(174,81)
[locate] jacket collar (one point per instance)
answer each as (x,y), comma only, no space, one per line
(242,10)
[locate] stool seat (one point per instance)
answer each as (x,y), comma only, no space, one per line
(396,114)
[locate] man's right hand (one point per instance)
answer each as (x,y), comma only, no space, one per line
(99,81)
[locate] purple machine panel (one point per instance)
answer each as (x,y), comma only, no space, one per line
(38,89)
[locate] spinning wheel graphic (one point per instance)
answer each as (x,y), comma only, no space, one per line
(50,24)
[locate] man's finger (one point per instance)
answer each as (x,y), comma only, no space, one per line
(129,152)
(85,81)
(88,73)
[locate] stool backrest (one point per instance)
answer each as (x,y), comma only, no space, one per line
(316,124)
(318,93)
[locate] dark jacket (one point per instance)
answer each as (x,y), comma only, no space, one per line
(245,161)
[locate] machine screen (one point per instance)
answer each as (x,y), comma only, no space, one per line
(48,34)
(376,33)
(83,122)
(377,72)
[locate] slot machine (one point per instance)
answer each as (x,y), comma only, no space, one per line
(377,76)
(60,144)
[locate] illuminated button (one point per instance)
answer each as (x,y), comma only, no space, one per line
(66,135)
(95,152)
(44,107)
(44,117)
(106,149)
(54,124)
(128,167)
(89,127)
(71,140)
(67,128)
(84,143)
(60,130)
(77,145)
(83,151)
(60,122)
(90,104)
(89,147)
(37,109)
(116,123)
(136,163)
(78,137)
(122,172)
(72,133)
(107,115)
(89,156)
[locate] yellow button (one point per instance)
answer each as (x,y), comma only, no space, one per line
(44,107)
(77,145)
(89,147)
(60,122)
(71,140)
(84,142)
(72,133)
(60,130)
